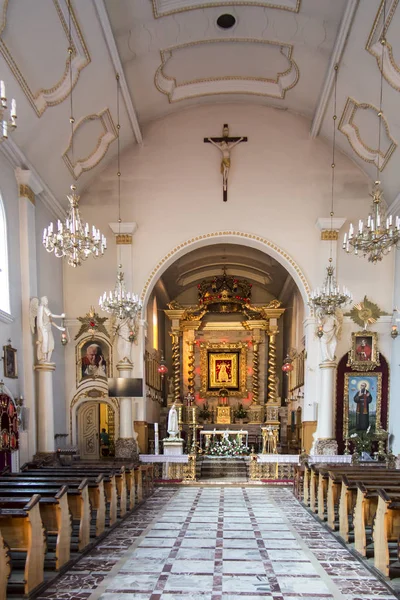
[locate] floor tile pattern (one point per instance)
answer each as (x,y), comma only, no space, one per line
(220,543)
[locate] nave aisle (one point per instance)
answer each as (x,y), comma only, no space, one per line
(236,543)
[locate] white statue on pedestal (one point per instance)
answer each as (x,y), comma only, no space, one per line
(43,315)
(173,429)
(331,325)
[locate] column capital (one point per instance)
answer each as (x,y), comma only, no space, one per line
(28,184)
(123,232)
(329,228)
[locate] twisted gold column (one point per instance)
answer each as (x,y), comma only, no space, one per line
(190,368)
(176,365)
(256,373)
(272,399)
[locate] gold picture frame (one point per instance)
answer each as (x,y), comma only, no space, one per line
(360,413)
(364,354)
(223,365)
(10,362)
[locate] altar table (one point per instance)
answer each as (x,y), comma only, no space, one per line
(209,434)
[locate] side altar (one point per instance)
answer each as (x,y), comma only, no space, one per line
(224,363)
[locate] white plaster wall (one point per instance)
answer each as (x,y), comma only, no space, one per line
(13,331)
(278,186)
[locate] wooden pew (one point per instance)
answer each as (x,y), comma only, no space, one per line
(97,495)
(298,481)
(54,512)
(139,483)
(22,530)
(77,494)
(365,510)
(386,528)
(5,567)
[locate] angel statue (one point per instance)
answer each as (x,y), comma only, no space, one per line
(331,327)
(43,315)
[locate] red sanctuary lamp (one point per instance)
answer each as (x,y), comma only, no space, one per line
(162,368)
(287,366)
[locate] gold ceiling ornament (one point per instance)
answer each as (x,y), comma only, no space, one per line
(365,313)
(92,323)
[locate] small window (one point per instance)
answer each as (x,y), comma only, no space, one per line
(4,281)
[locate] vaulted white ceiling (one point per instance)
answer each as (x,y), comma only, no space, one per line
(171,54)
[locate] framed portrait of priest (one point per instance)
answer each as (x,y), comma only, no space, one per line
(362,402)
(223,366)
(93,359)
(364,354)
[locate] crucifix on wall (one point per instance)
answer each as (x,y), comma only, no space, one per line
(225,145)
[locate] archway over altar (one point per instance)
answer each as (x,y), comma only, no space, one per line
(224,315)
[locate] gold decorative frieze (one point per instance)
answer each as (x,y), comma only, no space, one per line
(349,127)
(55,45)
(24,191)
(233,84)
(329,235)
(163,8)
(105,134)
(382,50)
(123,239)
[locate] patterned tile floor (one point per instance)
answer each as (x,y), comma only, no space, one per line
(222,543)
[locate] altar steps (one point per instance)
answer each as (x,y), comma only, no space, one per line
(234,469)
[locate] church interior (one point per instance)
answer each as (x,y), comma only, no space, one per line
(199,299)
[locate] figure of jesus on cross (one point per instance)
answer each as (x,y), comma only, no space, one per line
(225,145)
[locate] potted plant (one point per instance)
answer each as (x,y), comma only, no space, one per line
(205,413)
(240,413)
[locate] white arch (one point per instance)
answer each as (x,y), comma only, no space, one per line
(83,398)
(4,278)
(228,237)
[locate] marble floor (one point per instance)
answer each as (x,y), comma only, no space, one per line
(219,543)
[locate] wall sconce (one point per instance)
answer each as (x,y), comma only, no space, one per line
(287,365)
(395,330)
(162,368)
(320,331)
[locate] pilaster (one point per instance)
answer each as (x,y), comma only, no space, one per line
(28,187)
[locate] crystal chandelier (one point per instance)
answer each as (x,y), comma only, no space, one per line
(73,240)
(375,238)
(10,123)
(120,303)
(329,297)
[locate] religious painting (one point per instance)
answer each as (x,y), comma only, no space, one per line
(223,370)
(364,355)
(93,359)
(223,365)
(362,402)
(10,362)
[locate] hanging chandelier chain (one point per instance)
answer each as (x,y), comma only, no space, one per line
(380,113)
(333,164)
(70,52)
(118,154)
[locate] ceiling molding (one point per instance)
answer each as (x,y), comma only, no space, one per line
(337,52)
(114,54)
(17,158)
(349,128)
(274,88)
(42,98)
(388,66)
(163,8)
(101,144)
(394,208)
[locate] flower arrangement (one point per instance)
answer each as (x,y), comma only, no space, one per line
(228,448)
(240,412)
(362,440)
(205,412)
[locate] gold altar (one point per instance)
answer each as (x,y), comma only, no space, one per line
(224,342)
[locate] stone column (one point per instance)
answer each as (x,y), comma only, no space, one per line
(28,187)
(325,443)
(126,445)
(312,386)
(45,413)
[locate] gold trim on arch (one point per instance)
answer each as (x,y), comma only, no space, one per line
(347,119)
(215,234)
(202,5)
(83,52)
